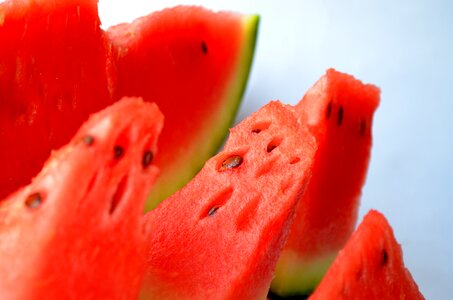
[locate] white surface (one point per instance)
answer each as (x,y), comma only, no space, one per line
(406,48)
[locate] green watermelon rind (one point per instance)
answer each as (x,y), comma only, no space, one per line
(217,128)
(298,277)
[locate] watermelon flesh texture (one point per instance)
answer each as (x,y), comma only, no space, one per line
(370,266)
(338,111)
(54,71)
(194,64)
(57,67)
(220,236)
(76,232)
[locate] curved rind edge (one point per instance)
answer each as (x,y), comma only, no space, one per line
(176,178)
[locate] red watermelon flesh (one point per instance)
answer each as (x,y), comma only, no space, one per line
(57,66)
(76,232)
(54,71)
(338,111)
(220,236)
(194,64)
(369,267)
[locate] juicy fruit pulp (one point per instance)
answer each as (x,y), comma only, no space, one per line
(369,267)
(59,66)
(54,71)
(194,64)
(338,111)
(77,230)
(220,236)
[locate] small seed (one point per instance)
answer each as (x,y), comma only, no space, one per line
(118,152)
(147,158)
(270,147)
(256,130)
(362,127)
(213,211)
(385,257)
(232,162)
(204,47)
(340,116)
(329,110)
(33,201)
(88,140)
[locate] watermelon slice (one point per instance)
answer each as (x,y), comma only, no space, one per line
(194,64)
(369,267)
(57,66)
(54,71)
(220,236)
(338,111)
(76,232)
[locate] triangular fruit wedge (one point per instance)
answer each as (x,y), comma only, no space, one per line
(338,111)
(57,66)
(194,63)
(369,267)
(54,72)
(77,230)
(221,235)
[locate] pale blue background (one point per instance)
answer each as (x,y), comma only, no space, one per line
(406,48)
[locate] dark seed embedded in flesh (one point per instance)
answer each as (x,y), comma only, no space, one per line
(362,127)
(147,158)
(232,162)
(33,201)
(271,147)
(88,140)
(340,116)
(256,130)
(385,257)
(204,47)
(118,152)
(213,211)
(329,110)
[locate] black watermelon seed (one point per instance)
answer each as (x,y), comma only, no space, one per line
(33,201)
(213,211)
(232,162)
(204,47)
(340,116)
(256,131)
(329,110)
(362,127)
(385,257)
(88,140)
(270,147)
(118,152)
(147,159)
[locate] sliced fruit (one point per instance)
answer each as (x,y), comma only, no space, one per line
(76,232)
(369,267)
(54,72)
(58,67)
(220,236)
(194,64)
(338,111)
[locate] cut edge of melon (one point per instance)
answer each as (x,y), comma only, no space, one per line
(222,120)
(299,277)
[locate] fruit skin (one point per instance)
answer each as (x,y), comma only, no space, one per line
(194,63)
(84,238)
(220,236)
(338,111)
(369,267)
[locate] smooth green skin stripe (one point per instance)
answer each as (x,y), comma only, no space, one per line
(294,276)
(215,130)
